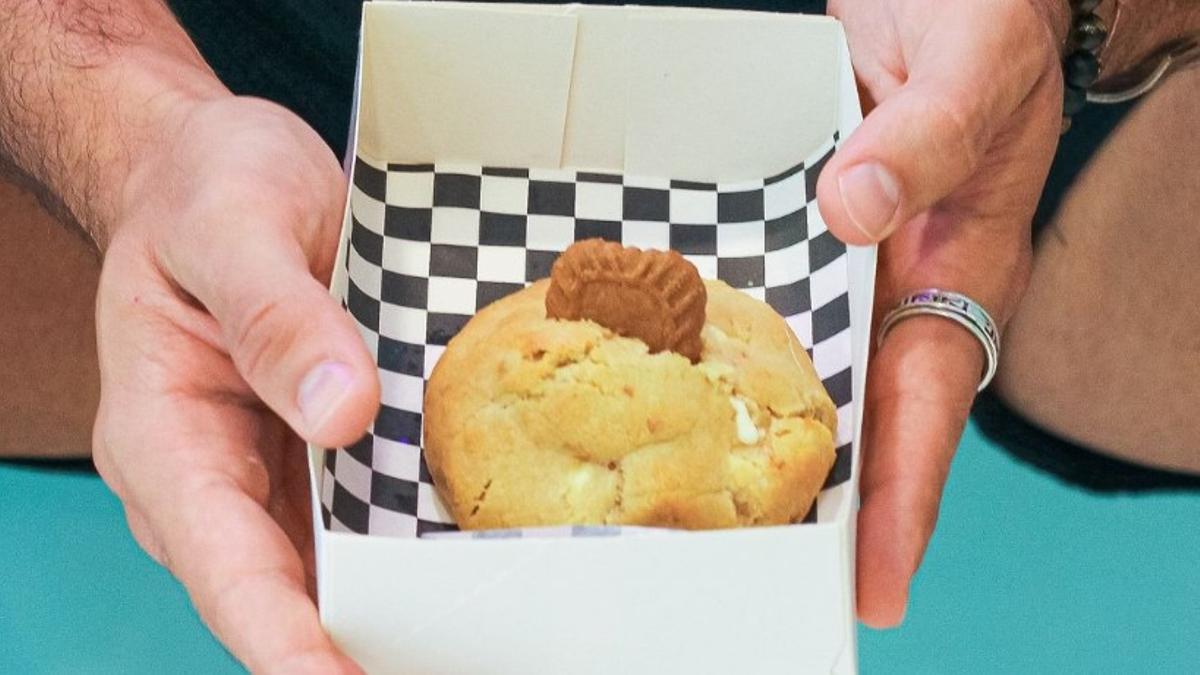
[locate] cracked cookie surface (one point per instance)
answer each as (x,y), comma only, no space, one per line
(531,421)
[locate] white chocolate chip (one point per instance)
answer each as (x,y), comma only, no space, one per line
(746,431)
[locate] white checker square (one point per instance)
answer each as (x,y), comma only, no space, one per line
(501,263)
(451,296)
(845,417)
(370,338)
(786,266)
(400,391)
(693,207)
(756,292)
(336,525)
(504,194)
(453,225)
(599,201)
(742,186)
(367,211)
(354,476)
(552,175)
(405,324)
(406,257)
(549,233)
(648,182)
(398,460)
(391,523)
(430,506)
(785,197)
(706,265)
(411,189)
(816,224)
(801,325)
(646,234)
(828,282)
(432,354)
(327,481)
(366,275)
(741,240)
(832,355)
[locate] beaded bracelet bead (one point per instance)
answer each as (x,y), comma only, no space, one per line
(1081,66)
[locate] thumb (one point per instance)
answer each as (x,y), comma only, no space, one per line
(928,137)
(292,342)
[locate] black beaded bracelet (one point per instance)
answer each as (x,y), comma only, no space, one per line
(1081,66)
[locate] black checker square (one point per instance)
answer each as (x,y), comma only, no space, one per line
(428,526)
(748,272)
(460,262)
(787,230)
(353,512)
(401,357)
(839,387)
(487,292)
(740,207)
(501,229)
(396,424)
(812,172)
(441,328)
(402,222)
(456,190)
(607,230)
(840,473)
(551,198)
(366,243)
(404,290)
(538,264)
(694,239)
(824,249)
(363,307)
(647,204)
(790,299)
(831,318)
(362,450)
(393,494)
(372,181)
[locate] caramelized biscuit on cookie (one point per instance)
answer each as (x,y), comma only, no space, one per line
(655,296)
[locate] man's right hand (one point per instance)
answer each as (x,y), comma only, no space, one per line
(220,348)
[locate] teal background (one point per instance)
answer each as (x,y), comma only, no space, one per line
(1024,576)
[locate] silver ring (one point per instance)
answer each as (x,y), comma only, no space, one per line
(958,308)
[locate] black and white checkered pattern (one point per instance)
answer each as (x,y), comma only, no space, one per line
(431,245)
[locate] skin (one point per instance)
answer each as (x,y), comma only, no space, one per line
(214,265)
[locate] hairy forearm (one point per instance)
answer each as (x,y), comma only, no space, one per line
(86,86)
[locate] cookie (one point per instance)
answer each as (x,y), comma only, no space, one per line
(531,421)
(655,296)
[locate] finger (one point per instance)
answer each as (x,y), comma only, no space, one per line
(207,515)
(921,384)
(922,142)
(291,341)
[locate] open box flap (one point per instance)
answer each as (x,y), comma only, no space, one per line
(599,88)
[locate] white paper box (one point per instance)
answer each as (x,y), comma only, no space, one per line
(655,95)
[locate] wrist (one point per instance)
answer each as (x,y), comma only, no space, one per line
(160,97)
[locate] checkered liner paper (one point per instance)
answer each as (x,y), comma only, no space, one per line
(432,244)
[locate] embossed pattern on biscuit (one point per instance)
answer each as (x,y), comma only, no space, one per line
(655,296)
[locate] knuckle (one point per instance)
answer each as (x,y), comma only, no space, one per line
(262,336)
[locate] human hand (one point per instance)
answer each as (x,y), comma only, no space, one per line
(218,344)
(965,103)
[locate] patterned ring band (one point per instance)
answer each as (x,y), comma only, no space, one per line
(958,308)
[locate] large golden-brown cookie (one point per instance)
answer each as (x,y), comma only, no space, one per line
(533,421)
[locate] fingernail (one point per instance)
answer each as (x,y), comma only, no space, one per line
(870,194)
(322,391)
